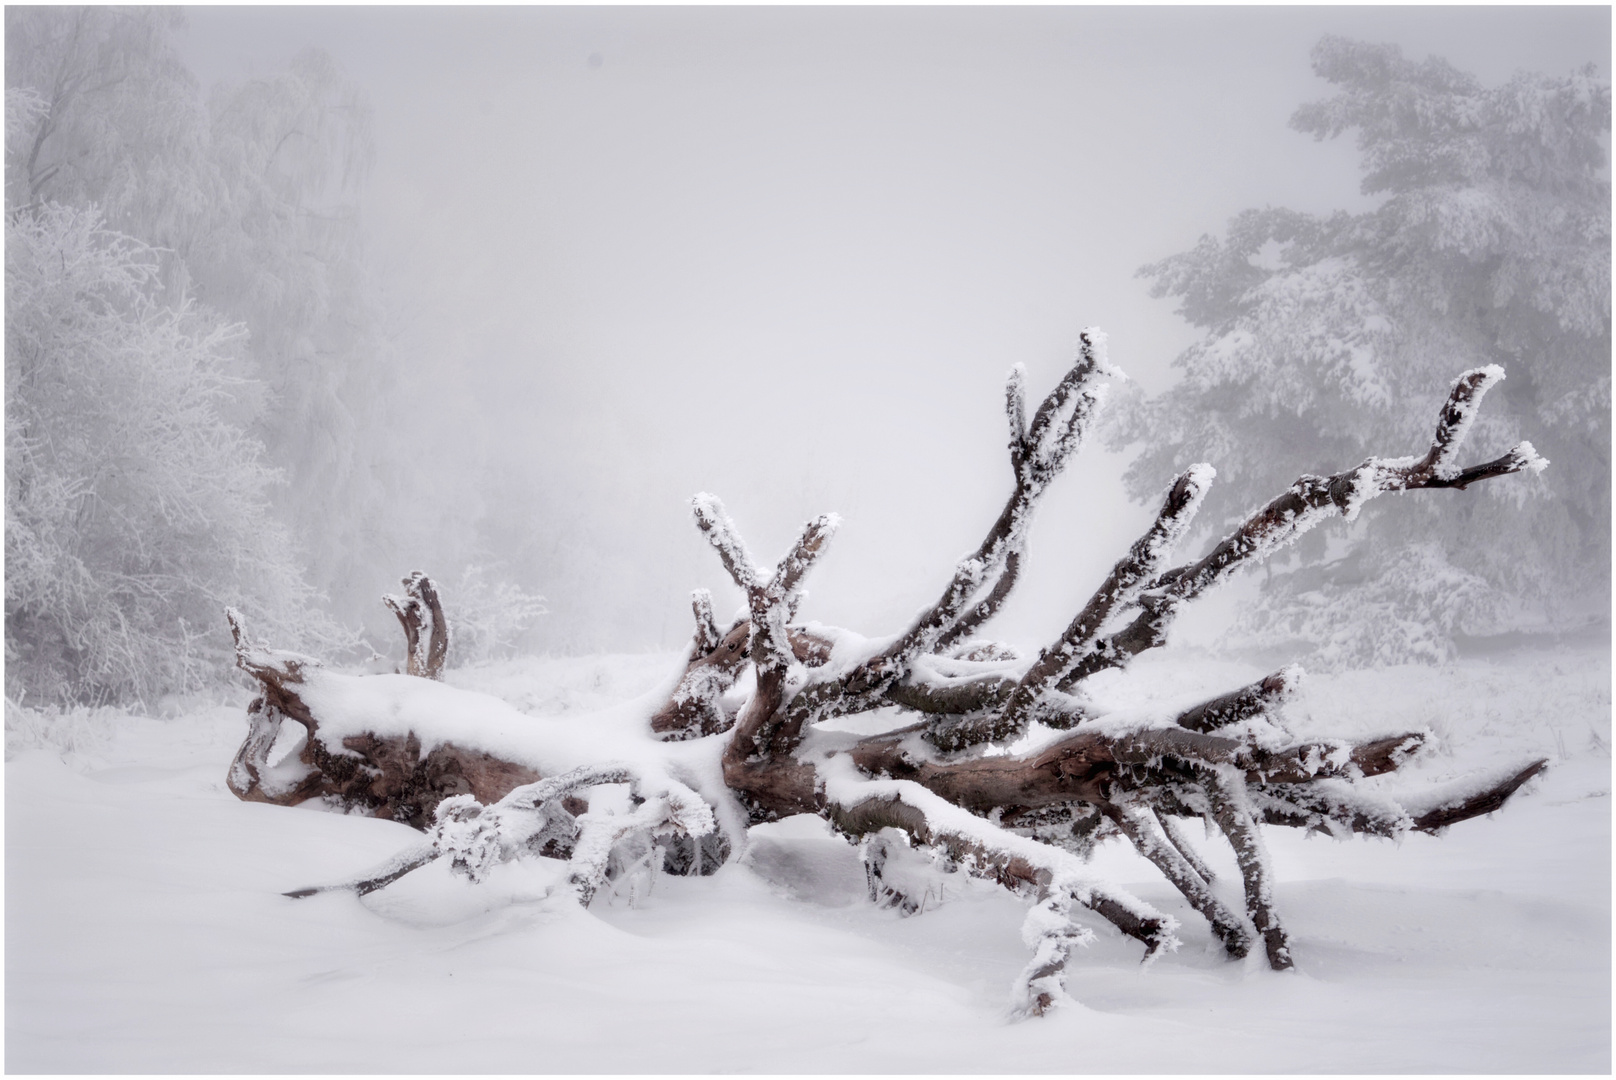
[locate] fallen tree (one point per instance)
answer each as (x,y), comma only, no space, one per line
(740,738)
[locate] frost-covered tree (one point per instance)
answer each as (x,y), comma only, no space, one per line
(291,153)
(490,613)
(1327,335)
(250,202)
(135,505)
(122,125)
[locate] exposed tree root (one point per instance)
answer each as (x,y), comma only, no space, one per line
(946,783)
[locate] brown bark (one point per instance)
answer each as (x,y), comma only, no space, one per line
(426,631)
(1167,858)
(1484,802)
(384,777)
(1233,815)
(1239,705)
(1119,588)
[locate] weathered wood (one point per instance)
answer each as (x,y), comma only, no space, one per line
(1232,812)
(1167,858)
(1120,585)
(387,777)
(693,709)
(1239,705)
(1482,802)
(426,630)
(1175,836)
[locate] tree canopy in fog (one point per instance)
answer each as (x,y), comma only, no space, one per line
(135,506)
(1490,244)
(197,407)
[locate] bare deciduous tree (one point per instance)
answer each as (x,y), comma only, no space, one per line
(489,784)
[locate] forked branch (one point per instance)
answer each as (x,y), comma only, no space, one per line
(1119,588)
(426,631)
(1307,502)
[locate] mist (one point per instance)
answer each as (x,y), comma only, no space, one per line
(787,256)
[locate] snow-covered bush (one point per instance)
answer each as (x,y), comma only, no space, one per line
(489,615)
(134,508)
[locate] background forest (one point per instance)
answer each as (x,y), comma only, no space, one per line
(198,406)
(216,392)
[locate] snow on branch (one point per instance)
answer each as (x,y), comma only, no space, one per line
(859,806)
(720,531)
(1056,430)
(1191,878)
(1458,415)
(1015,409)
(1243,704)
(1232,810)
(1023,817)
(537,818)
(788,575)
(1307,502)
(1120,587)
(426,629)
(770,645)
(707,635)
(270,666)
(1058,427)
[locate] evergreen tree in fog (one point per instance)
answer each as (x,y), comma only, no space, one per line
(1330,338)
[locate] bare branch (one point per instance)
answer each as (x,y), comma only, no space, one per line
(1051,437)
(1022,865)
(1243,704)
(271,667)
(1306,503)
(1175,836)
(800,559)
(1015,409)
(954,697)
(1453,425)
(1049,441)
(1298,763)
(693,709)
(1055,432)
(404,862)
(720,531)
(426,630)
(1136,825)
(771,604)
(1232,811)
(437,651)
(977,616)
(1477,803)
(707,636)
(1120,586)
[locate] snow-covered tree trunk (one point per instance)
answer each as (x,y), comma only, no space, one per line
(488,783)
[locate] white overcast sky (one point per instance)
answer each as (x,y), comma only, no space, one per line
(788,254)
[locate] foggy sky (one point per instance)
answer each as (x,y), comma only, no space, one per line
(787,255)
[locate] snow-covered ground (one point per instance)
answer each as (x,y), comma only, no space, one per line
(145,930)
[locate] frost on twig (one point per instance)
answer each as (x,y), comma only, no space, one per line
(1310,500)
(1118,590)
